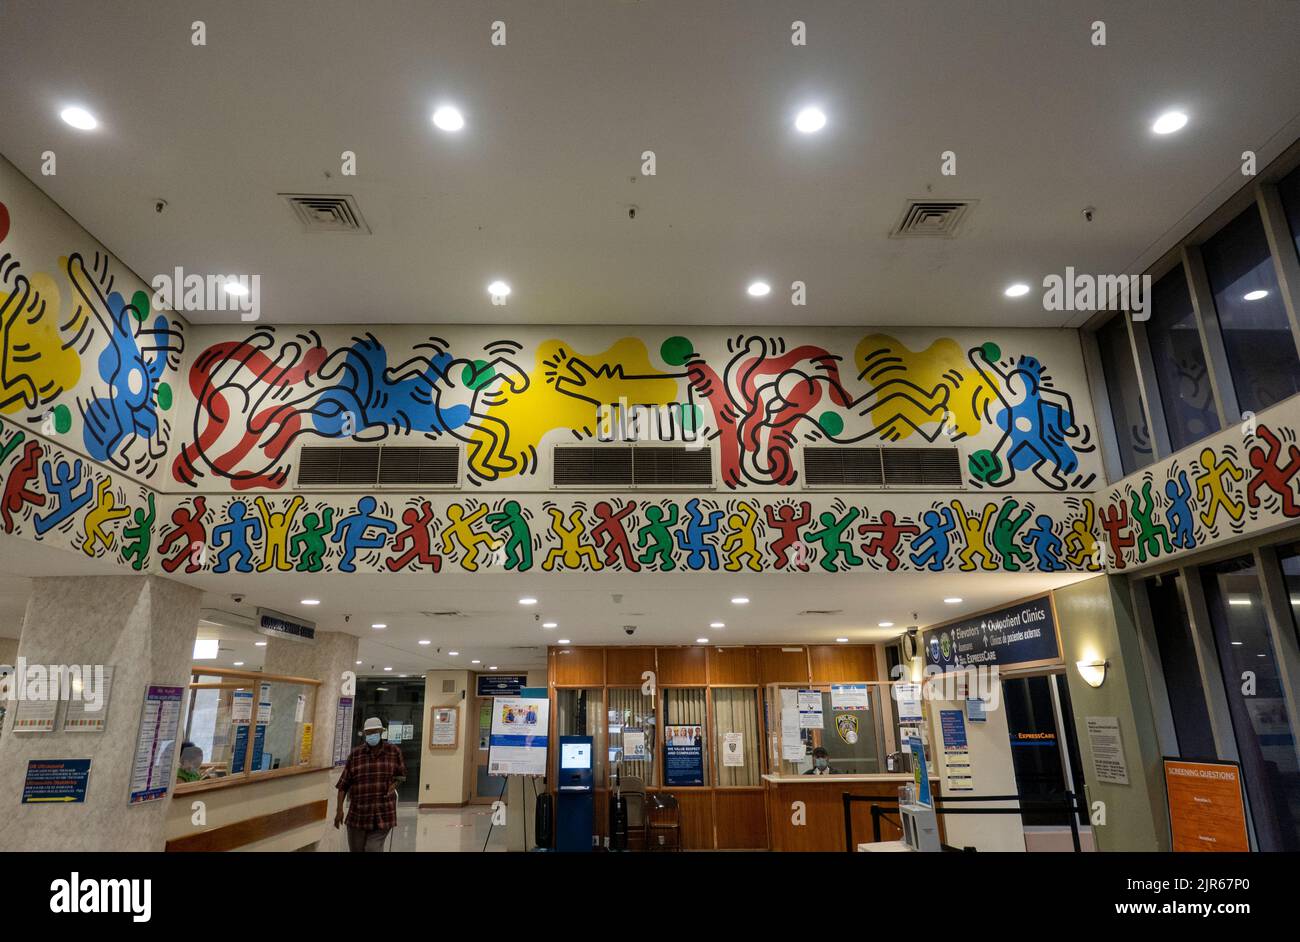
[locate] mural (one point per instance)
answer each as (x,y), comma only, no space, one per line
(79,358)
(753,399)
(1242,480)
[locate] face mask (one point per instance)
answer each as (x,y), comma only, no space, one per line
(373,739)
(822,763)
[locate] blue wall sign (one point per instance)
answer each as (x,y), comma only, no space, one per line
(56,781)
(501,685)
(684,755)
(1021,635)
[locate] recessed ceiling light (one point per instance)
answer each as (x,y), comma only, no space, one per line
(952,600)
(448,118)
(886,624)
(492,668)
(717,624)
(1169,122)
(498,289)
(1238,601)
(239,663)
(1018,290)
(453,654)
(388,668)
(476,662)
(701,640)
(550,624)
(810,120)
(379,625)
(740,600)
(564,641)
(841,640)
(311,601)
(1237,644)
(235,288)
(1255,295)
(259,644)
(528,600)
(759,289)
(358,662)
(425,641)
(79,118)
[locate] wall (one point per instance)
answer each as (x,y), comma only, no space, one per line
(1096,621)
(445,773)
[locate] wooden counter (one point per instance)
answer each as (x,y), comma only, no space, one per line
(823,809)
(272,811)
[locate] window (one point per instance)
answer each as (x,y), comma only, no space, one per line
(1256,701)
(1179,666)
(685,714)
(1256,332)
(1131,435)
(736,739)
(631,733)
(1289,190)
(1179,360)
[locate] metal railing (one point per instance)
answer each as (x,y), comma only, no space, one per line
(1067,801)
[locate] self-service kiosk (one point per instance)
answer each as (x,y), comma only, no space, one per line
(574,812)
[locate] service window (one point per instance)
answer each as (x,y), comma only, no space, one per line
(737,739)
(631,733)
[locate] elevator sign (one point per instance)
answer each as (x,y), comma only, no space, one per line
(1019,636)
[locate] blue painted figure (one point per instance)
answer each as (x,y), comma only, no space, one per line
(236,535)
(352,532)
(692,538)
(1045,544)
(60,487)
(1182,532)
(932,542)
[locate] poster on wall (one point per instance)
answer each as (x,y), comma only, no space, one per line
(89,714)
(850,697)
(56,781)
(151,771)
(1207,810)
(443,728)
(1108,762)
(733,750)
(810,709)
(908,699)
(956,752)
(1015,637)
(518,742)
(920,774)
(305,744)
(35,714)
(342,731)
(684,755)
(241,714)
(633,745)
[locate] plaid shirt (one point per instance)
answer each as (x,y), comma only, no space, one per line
(368,779)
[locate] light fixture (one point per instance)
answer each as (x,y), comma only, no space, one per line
(1169,122)
(810,120)
(701,640)
(952,600)
(447,118)
(492,668)
(311,601)
(241,663)
(1255,295)
(379,626)
(841,640)
(79,118)
(740,600)
(1017,290)
(234,288)
(205,649)
(358,663)
(886,624)
(528,600)
(453,654)
(564,641)
(550,624)
(388,668)
(425,641)
(259,644)
(1236,644)
(476,662)
(759,289)
(1093,672)
(717,624)
(1238,601)
(498,289)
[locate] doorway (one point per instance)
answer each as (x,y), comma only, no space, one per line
(399,704)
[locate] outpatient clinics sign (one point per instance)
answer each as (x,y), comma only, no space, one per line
(1021,635)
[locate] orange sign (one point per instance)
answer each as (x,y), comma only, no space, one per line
(1206,811)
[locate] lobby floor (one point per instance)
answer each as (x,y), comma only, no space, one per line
(444,829)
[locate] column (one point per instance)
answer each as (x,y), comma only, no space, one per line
(326,659)
(141,626)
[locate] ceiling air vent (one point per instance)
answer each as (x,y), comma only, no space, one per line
(326,212)
(632,465)
(932,219)
(338,465)
(831,466)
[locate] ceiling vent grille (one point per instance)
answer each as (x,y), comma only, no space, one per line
(830,466)
(932,219)
(326,212)
(339,465)
(632,465)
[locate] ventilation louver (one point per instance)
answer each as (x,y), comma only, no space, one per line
(829,466)
(932,219)
(326,212)
(632,465)
(338,465)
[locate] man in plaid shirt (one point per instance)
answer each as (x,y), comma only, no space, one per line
(371,776)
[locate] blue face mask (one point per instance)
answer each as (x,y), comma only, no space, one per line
(373,739)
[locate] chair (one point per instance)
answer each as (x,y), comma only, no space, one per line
(663,824)
(633,791)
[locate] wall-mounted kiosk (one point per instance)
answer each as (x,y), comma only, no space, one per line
(574,813)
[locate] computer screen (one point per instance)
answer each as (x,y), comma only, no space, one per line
(575,755)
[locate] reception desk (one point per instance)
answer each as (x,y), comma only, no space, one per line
(823,809)
(273,811)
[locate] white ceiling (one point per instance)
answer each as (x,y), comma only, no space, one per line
(535,189)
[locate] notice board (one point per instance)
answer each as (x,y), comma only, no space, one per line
(1206,809)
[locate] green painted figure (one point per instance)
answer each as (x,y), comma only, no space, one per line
(518,547)
(138,536)
(1004,535)
(657,537)
(308,544)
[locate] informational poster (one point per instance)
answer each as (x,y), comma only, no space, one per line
(956,752)
(1020,636)
(810,709)
(519,730)
(151,771)
(264,704)
(241,707)
(443,728)
(35,715)
(239,748)
(908,699)
(684,755)
(300,708)
(733,750)
(1108,763)
(408,732)
(81,716)
(1206,809)
(261,759)
(305,744)
(241,715)
(501,685)
(920,774)
(633,745)
(976,711)
(395,730)
(850,697)
(56,781)
(792,745)
(342,730)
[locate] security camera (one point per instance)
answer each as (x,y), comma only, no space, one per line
(629,630)
(159,205)
(1088,213)
(237,598)
(347,618)
(631,212)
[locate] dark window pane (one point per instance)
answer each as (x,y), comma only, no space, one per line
(1178,664)
(1179,361)
(1256,332)
(1122,390)
(1289,189)
(1265,740)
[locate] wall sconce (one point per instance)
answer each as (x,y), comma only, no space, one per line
(1093,672)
